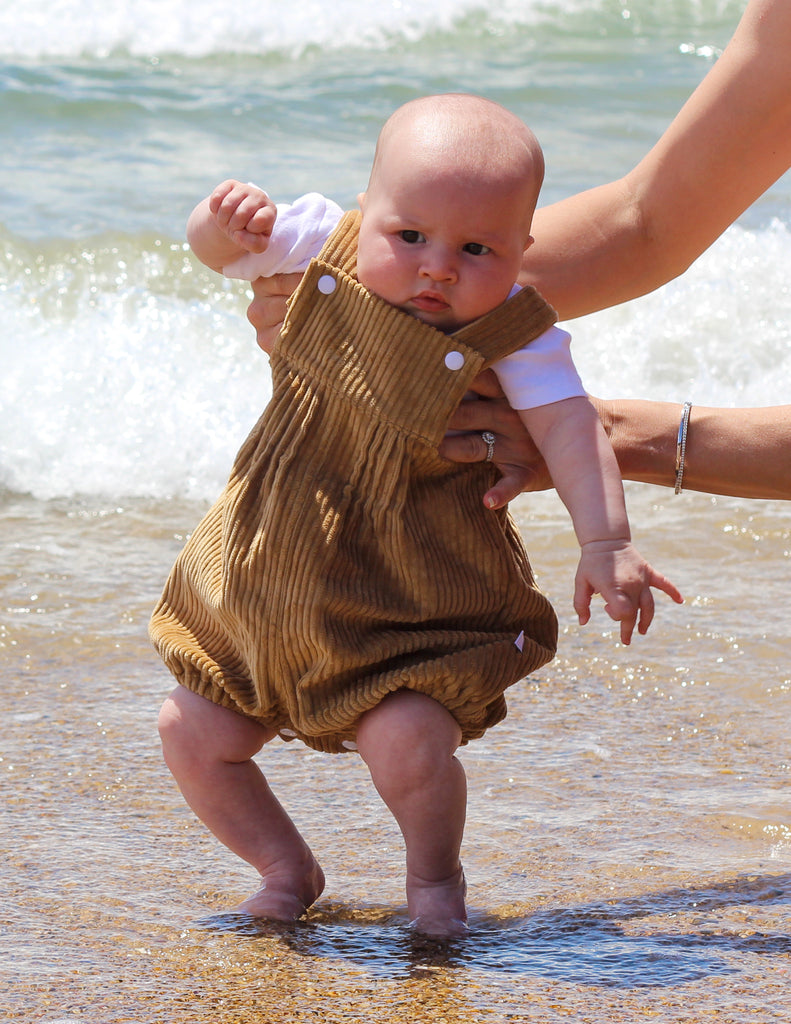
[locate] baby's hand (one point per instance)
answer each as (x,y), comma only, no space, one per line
(244,213)
(616,570)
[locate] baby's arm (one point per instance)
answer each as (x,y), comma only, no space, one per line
(235,219)
(585,474)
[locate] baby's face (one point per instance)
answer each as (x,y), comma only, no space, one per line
(440,246)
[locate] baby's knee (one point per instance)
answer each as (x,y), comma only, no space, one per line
(195,731)
(410,731)
(175,731)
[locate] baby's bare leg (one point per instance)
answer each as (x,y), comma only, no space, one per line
(209,750)
(408,742)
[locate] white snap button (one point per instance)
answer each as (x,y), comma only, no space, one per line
(287,732)
(327,284)
(349,744)
(454,360)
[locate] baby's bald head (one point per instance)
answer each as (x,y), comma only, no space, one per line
(468,140)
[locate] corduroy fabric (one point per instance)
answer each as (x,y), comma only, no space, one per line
(345,559)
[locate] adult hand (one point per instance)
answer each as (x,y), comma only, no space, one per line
(515,455)
(267,311)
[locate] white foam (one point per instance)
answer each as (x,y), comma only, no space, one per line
(118,386)
(719,334)
(130,371)
(198,27)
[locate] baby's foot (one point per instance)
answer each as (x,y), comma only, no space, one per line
(285,895)
(437,909)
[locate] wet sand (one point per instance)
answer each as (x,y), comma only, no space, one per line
(628,847)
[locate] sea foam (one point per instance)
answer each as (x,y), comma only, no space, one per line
(131,370)
(198,28)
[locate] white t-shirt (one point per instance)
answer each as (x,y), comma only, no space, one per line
(540,373)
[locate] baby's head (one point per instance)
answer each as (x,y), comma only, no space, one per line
(447,214)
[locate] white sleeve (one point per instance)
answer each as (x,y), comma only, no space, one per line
(300,231)
(540,373)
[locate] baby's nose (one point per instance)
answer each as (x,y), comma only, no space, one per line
(439,266)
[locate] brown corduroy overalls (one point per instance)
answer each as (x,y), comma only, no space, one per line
(345,558)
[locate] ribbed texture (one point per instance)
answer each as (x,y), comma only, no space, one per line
(345,559)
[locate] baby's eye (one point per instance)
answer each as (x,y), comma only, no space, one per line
(411,237)
(476,249)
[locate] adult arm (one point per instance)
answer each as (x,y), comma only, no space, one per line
(728,144)
(743,453)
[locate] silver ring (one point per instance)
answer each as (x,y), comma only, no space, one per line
(488,439)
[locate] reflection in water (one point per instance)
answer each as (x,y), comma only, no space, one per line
(593,944)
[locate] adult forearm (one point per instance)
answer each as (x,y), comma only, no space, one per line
(739,452)
(728,144)
(591,251)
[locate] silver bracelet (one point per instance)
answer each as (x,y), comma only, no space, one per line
(681,444)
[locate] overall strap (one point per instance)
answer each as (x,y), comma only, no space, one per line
(340,249)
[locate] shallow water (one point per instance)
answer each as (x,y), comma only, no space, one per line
(628,848)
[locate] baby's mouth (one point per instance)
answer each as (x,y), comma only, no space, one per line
(430,302)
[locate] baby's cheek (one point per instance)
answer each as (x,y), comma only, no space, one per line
(379,273)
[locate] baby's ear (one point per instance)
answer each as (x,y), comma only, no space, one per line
(361,202)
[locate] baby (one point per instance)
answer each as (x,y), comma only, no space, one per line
(348,588)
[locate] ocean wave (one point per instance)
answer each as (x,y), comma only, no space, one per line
(131,370)
(197,28)
(717,335)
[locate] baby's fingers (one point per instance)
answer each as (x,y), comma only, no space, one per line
(263,220)
(620,607)
(583,592)
(627,628)
(225,203)
(219,194)
(663,583)
(242,208)
(647,607)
